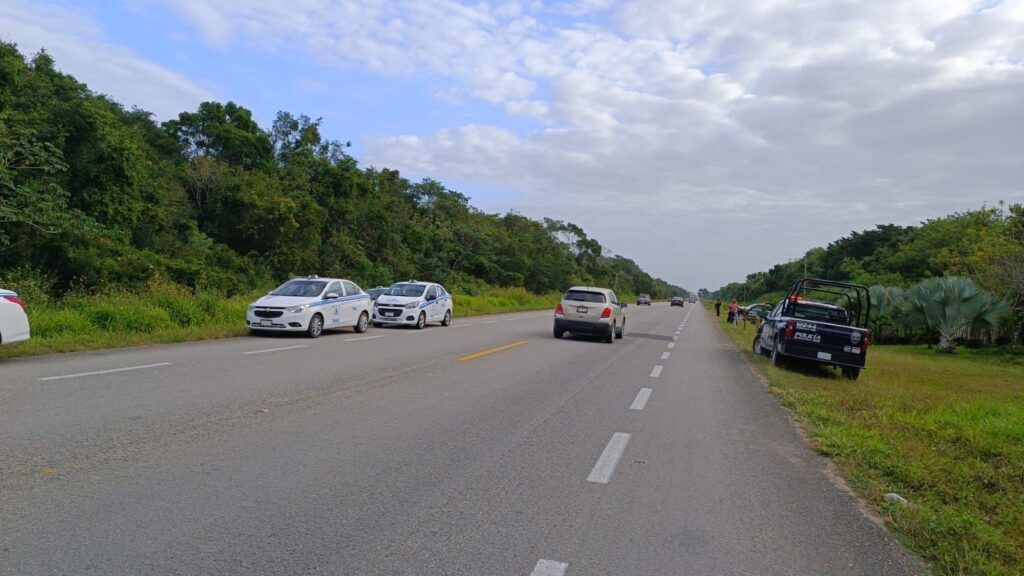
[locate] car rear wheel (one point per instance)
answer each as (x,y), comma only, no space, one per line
(421,321)
(851,373)
(621,331)
(610,338)
(447,318)
(316,326)
(363,323)
(559,333)
(776,355)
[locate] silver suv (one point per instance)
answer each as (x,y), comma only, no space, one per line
(589,310)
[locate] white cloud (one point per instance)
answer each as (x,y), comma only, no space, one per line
(706,139)
(78,45)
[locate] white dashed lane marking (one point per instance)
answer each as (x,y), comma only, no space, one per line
(671,345)
(111,371)
(549,568)
(605,466)
(641,399)
(274,349)
(360,339)
(656,372)
(665,355)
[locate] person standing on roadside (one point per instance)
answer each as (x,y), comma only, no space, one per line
(733,308)
(718,307)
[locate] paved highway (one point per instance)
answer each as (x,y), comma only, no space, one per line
(485,448)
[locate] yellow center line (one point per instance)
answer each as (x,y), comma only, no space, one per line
(489,351)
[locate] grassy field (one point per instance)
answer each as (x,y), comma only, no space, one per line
(169,313)
(945,432)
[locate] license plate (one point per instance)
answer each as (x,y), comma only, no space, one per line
(392,313)
(824,356)
(266,322)
(582,309)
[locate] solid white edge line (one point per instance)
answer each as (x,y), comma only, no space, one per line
(656,372)
(641,399)
(460,325)
(363,338)
(549,568)
(665,355)
(275,349)
(671,345)
(490,322)
(111,371)
(606,463)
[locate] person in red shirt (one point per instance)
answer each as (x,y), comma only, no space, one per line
(733,308)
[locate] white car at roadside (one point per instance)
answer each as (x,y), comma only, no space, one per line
(13,320)
(311,305)
(413,303)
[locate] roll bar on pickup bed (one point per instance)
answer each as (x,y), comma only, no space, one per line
(857,298)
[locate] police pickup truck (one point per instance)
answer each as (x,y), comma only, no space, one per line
(828,329)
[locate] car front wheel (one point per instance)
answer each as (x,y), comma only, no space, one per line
(363,323)
(758,349)
(316,326)
(421,321)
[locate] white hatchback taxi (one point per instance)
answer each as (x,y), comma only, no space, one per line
(311,305)
(413,303)
(13,320)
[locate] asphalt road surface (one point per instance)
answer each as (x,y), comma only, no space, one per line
(406,452)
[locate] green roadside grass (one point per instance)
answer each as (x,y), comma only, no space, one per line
(946,432)
(168,313)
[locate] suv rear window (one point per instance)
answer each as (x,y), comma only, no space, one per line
(584,296)
(806,311)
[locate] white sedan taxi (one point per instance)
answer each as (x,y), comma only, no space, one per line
(413,303)
(311,305)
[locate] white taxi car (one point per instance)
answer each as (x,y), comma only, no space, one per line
(413,303)
(311,305)
(13,320)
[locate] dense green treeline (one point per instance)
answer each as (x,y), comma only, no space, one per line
(93,196)
(983,248)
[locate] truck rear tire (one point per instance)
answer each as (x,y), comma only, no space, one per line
(776,355)
(851,373)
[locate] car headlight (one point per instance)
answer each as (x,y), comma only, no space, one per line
(252,307)
(412,304)
(297,309)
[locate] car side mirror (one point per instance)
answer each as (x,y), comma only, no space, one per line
(333,295)
(624,305)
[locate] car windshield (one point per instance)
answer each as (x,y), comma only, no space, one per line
(374,292)
(406,290)
(645,295)
(304,288)
(819,313)
(584,296)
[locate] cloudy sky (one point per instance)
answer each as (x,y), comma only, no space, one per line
(703,139)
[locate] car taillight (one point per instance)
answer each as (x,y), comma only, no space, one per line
(607,313)
(864,344)
(558,309)
(16,300)
(790,328)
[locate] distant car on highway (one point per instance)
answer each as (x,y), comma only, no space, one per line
(643,300)
(693,299)
(311,305)
(677,301)
(375,292)
(413,303)
(590,310)
(13,319)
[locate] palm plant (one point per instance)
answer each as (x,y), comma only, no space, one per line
(952,306)
(886,308)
